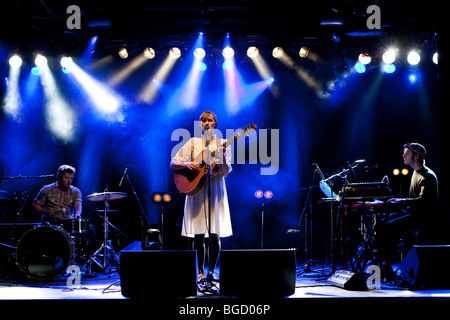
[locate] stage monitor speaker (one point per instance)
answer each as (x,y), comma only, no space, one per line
(427,266)
(145,245)
(158,274)
(257,273)
(347,280)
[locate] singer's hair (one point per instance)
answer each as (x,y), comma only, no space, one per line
(203,116)
(63,169)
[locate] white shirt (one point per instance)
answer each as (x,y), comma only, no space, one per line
(195,220)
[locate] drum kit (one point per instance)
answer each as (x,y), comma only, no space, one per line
(46,251)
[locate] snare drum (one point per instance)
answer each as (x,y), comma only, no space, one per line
(44,252)
(75,226)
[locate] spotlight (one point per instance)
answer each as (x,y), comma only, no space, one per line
(123,53)
(157,197)
(270,81)
(175,52)
(413,58)
(201,66)
(227,65)
(258,194)
(389,56)
(396,172)
(40,61)
(335,38)
(167,197)
(252,52)
(149,53)
(360,67)
(277,52)
(364,58)
(199,53)
(412,78)
(405,171)
(435,58)
(66,62)
(389,68)
(15,61)
(228,52)
(35,71)
(303,52)
(268,194)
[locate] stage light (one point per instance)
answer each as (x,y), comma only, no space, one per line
(228,52)
(268,194)
(413,58)
(157,197)
(252,52)
(277,52)
(303,52)
(36,71)
(175,52)
(270,81)
(40,61)
(389,68)
(199,53)
(259,194)
(412,78)
(227,65)
(167,197)
(149,53)
(389,56)
(201,66)
(364,58)
(123,53)
(93,40)
(66,62)
(405,171)
(15,61)
(396,172)
(435,58)
(360,68)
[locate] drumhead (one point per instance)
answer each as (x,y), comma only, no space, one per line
(44,252)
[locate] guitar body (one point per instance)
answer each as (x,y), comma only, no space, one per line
(191,182)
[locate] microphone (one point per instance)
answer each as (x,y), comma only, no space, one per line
(124,174)
(206,127)
(359,161)
(319,171)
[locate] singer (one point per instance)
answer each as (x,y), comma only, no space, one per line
(59,200)
(196,209)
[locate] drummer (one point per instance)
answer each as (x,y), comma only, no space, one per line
(59,200)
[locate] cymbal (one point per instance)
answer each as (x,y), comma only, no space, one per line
(103,196)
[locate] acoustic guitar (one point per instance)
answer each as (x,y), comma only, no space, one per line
(191,182)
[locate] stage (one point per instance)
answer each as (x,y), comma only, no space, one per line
(101,296)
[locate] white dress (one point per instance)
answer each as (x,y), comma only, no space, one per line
(195,220)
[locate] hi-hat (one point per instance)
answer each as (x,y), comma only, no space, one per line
(106,196)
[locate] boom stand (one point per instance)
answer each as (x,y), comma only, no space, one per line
(106,247)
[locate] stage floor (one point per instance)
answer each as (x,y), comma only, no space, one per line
(101,295)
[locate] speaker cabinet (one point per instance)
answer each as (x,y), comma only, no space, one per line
(158,274)
(257,273)
(427,266)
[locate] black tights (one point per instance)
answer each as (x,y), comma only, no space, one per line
(199,245)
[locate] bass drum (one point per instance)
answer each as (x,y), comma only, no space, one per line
(44,252)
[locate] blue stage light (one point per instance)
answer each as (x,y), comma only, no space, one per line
(202,66)
(389,68)
(36,71)
(360,68)
(412,78)
(227,65)
(270,80)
